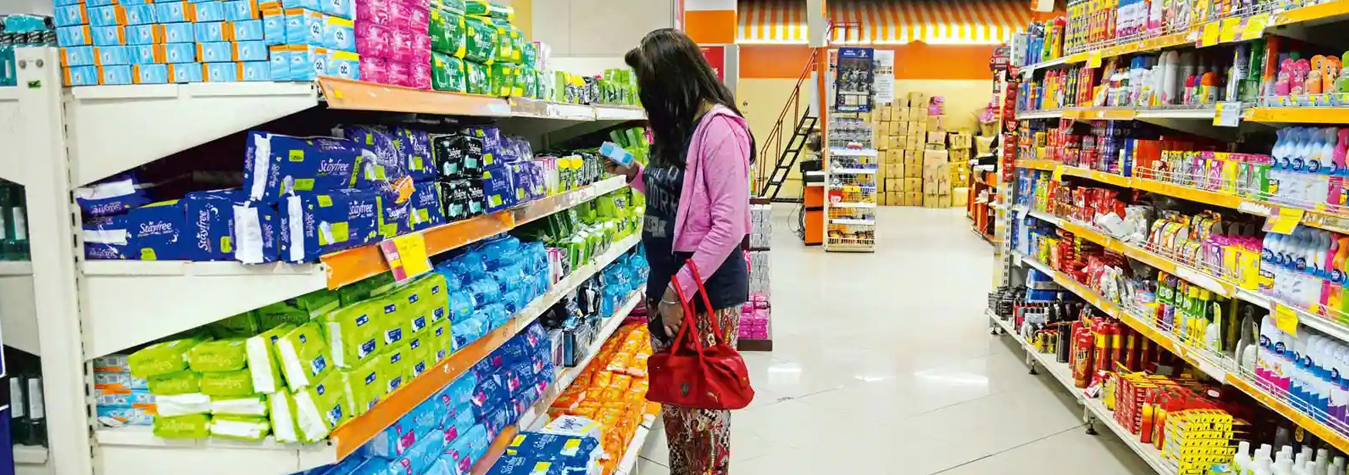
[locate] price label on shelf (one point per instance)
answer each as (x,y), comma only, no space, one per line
(1285,318)
(1094,59)
(1284,220)
(1227,114)
(1254,27)
(406,255)
(1231,27)
(1058,173)
(1210,34)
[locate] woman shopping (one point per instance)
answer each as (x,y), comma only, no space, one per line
(697,213)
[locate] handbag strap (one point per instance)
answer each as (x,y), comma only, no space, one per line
(707,302)
(689,320)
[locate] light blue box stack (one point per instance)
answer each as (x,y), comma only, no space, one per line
(318,39)
(121,399)
(113,42)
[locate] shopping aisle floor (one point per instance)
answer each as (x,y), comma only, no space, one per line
(883,364)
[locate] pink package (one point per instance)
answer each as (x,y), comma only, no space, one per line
(420,75)
(421,4)
(374,69)
(421,48)
(373,11)
(419,17)
(400,48)
(401,13)
(373,39)
(398,74)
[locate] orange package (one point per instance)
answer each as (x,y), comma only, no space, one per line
(602,379)
(621,382)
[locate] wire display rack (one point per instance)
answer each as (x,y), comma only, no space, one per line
(851,184)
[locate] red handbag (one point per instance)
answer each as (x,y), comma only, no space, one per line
(687,374)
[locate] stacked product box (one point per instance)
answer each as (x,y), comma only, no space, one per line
(393,42)
(121,399)
(17,31)
(311,38)
(115,42)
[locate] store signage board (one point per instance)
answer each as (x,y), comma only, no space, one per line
(854,80)
(716,57)
(885,76)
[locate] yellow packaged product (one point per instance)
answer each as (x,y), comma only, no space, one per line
(620,382)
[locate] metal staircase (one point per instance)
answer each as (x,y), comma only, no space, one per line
(768,181)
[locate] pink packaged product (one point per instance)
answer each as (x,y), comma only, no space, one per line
(400,49)
(374,69)
(373,39)
(398,74)
(420,75)
(373,11)
(421,47)
(419,18)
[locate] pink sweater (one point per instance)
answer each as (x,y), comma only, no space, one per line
(713,216)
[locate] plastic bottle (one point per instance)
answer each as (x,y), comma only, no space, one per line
(1279,154)
(1246,344)
(1322,462)
(1337,465)
(1242,458)
(1298,465)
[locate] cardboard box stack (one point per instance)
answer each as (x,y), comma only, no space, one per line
(959,145)
(901,129)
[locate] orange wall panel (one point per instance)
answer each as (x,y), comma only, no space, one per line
(912,61)
(710,26)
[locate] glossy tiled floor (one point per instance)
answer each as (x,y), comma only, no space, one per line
(883,364)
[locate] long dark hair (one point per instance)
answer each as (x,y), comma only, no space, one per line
(674,79)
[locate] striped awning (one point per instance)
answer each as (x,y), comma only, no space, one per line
(887,22)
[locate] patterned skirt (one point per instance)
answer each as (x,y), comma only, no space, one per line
(700,439)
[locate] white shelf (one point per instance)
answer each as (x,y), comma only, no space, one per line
(850,152)
(619,113)
(854,171)
(1197,114)
(18,308)
(1038,114)
(853,222)
(852,205)
(12,163)
(1042,267)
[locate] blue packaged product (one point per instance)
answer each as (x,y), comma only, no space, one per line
(515,300)
(499,419)
(217,52)
(498,188)
(255,71)
(307,62)
(185,72)
(440,467)
(484,290)
(121,416)
(344,64)
(210,11)
(458,393)
(274,26)
(279,62)
(464,450)
(250,51)
(459,424)
(111,15)
(314,224)
(304,27)
(337,8)
(488,397)
(111,195)
(180,33)
(119,381)
(462,304)
(144,34)
(394,217)
(69,15)
(147,54)
(306,4)
(499,249)
(277,164)
(208,32)
(564,449)
(181,53)
(148,233)
(109,35)
(427,209)
(466,332)
(339,34)
(420,456)
(385,164)
(257,232)
(241,10)
(416,147)
(210,220)
(144,14)
(174,12)
(494,316)
(397,439)
(76,35)
(222,72)
(124,398)
(250,30)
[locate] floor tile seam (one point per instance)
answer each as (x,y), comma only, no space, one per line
(1009,449)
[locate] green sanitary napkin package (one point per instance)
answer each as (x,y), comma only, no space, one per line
(227,383)
(478,78)
(240,427)
(178,382)
(441,339)
(282,412)
(365,385)
(393,367)
(510,42)
(477,7)
(322,406)
(304,356)
(162,358)
(218,355)
(280,313)
(354,332)
(448,33)
(364,289)
(239,326)
(263,359)
(255,405)
(447,73)
(503,78)
(481,43)
(182,404)
(191,426)
(419,349)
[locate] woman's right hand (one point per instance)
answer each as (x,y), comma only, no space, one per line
(620,170)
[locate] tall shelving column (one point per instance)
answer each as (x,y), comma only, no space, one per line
(851,159)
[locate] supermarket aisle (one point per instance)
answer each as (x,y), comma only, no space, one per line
(883,364)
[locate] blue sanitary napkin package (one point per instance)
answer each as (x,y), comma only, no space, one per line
(276,164)
(415,426)
(149,233)
(568,450)
(224,225)
(111,196)
(313,224)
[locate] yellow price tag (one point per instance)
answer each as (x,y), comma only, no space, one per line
(1210,35)
(1058,173)
(1285,221)
(337,94)
(1285,318)
(1255,26)
(1094,59)
(1231,27)
(407,256)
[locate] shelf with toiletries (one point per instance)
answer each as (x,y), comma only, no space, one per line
(268,455)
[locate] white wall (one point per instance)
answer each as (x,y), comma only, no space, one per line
(41,7)
(597,28)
